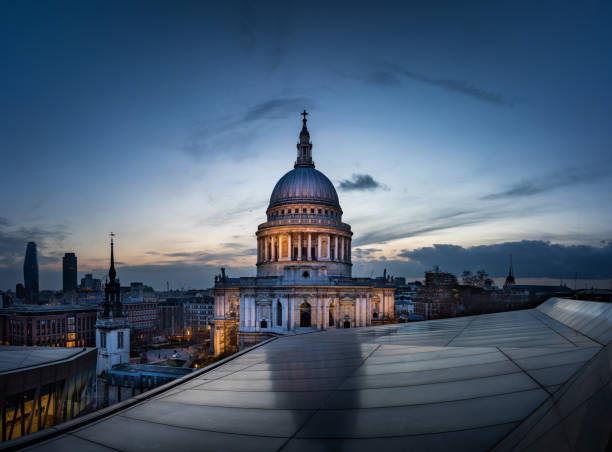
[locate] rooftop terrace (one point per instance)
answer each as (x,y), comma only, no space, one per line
(524,380)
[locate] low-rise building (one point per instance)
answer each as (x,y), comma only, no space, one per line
(439,297)
(42,387)
(200,311)
(52,326)
(128,380)
(142,316)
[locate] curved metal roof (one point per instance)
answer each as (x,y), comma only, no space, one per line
(304,185)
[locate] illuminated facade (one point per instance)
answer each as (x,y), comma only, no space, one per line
(50,326)
(304,280)
(44,387)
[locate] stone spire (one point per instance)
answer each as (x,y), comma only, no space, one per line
(510,281)
(304,146)
(112,291)
(112,273)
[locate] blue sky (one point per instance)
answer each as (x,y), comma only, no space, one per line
(169,124)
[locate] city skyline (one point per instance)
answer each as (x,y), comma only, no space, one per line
(454,149)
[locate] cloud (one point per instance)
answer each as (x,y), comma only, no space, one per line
(383,78)
(532,259)
(391,75)
(13,242)
(443,221)
(236,132)
(364,253)
(205,256)
(360,182)
(549,182)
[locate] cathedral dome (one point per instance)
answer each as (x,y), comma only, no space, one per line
(304,184)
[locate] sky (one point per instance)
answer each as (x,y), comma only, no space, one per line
(456,133)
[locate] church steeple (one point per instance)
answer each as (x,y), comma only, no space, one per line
(510,281)
(112,291)
(304,146)
(112,273)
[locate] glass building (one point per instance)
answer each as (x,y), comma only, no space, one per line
(43,387)
(30,273)
(69,272)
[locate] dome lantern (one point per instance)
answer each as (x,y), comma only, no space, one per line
(304,146)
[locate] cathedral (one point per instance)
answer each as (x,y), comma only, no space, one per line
(304,276)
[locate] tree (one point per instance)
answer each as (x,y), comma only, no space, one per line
(481,279)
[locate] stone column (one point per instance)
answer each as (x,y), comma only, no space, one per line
(322,312)
(289,247)
(335,247)
(329,247)
(299,255)
(364,315)
(253,312)
(244,309)
(318,247)
(273,244)
(309,250)
(383,304)
(242,314)
(342,249)
(290,313)
(357,309)
(348,251)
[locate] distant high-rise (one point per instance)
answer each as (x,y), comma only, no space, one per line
(30,273)
(69,263)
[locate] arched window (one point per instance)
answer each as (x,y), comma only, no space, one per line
(279,314)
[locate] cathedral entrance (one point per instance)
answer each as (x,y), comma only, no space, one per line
(305,315)
(347,324)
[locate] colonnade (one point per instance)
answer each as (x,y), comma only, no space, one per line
(284,313)
(307,246)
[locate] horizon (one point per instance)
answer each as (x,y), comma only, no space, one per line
(454,149)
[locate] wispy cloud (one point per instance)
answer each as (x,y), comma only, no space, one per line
(360,182)
(549,182)
(235,132)
(191,257)
(364,253)
(392,75)
(446,220)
